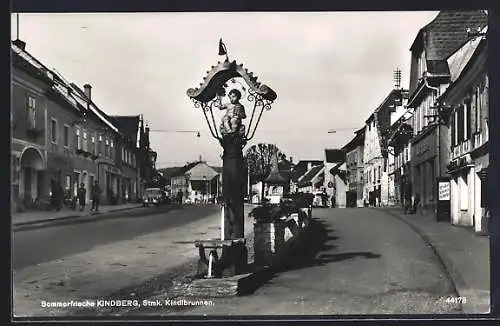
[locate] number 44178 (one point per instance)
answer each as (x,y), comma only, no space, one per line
(454,300)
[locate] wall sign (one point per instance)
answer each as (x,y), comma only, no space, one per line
(444,190)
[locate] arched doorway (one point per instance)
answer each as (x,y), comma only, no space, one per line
(31,176)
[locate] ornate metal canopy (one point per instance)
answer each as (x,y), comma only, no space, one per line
(209,94)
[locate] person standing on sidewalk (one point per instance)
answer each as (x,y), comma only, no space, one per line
(82,193)
(96,194)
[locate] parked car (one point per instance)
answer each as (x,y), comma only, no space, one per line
(319,200)
(152,196)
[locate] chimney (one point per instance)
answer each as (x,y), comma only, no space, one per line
(199,158)
(20,44)
(291,159)
(88,91)
(309,165)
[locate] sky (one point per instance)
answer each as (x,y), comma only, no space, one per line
(330,70)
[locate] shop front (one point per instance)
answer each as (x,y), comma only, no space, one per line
(111,188)
(425,169)
(463,189)
(60,169)
(28,178)
(480,159)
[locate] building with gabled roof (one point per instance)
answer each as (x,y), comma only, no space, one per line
(466,114)
(312,181)
(67,139)
(354,168)
(196,182)
(429,78)
(299,169)
(376,156)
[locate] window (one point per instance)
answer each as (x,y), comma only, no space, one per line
(460,124)
(93,146)
(479,106)
(31,116)
(123,154)
(453,129)
(107,148)
(68,183)
(432,189)
(78,139)
(101,149)
(467,119)
(53,131)
(85,144)
(66,136)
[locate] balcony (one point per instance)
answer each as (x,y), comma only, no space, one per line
(462,149)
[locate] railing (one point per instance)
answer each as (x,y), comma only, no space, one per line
(462,149)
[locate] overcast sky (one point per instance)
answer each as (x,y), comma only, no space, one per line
(329,69)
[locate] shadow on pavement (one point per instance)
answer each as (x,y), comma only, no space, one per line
(317,248)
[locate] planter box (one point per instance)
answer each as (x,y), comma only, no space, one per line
(269,237)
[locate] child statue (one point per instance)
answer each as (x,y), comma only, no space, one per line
(235,112)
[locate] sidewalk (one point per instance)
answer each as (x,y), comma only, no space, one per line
(34,217)
(465,255)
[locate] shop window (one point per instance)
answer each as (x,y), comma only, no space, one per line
(432,188)
(484,193)
(464,192)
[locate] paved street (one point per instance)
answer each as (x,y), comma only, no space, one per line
(44,244)
(361,261)
(102,257)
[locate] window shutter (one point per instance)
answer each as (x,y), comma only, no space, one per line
(453,138)
(468,115)
(460,123)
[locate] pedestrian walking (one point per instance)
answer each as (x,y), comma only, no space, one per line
(82,193)
(96,194)
(416,204)
(407,198)
(179,197)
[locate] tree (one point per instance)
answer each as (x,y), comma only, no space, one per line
(258,159)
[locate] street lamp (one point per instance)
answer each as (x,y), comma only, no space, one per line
(233,136)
